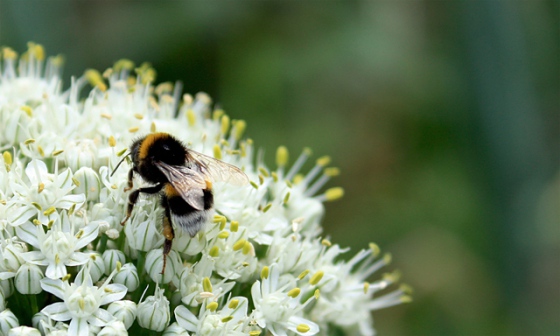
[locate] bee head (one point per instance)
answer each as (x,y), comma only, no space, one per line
(165,148)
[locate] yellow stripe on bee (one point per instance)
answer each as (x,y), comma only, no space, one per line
(170,191)
(148,142)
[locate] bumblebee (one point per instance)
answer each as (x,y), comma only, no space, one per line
(182,177)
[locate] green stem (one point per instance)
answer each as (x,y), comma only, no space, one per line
(33,304)
(103,243)
(140,268)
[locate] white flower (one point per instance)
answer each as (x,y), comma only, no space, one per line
(113,328)
(111,258)
(154,265)
(128,276)
(8,320)
(42,195)
(278,307)
(28,279)
(124,311)
(230,320)
(58,247)
(24,331)
(153,313)
(82,302)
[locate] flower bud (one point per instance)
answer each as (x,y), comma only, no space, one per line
(39,321)
(96,266)
(24,331)
(7,287)
(81,153)
(175,330)
(124,311)
(128,276)
(142,234)
(154,312)
(154,265)
(11,256)
(110,258)
(88,183)
(7,321)
(28,279)
(115,328)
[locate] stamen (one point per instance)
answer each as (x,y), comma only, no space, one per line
(282,156)
(298,164)
(265,272)
(206,284)
(233,304)
(212,306)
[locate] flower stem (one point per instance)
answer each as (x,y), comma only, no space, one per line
(102,243)
(33,304)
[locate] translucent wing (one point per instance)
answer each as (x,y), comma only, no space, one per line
(217,170)
(188,183)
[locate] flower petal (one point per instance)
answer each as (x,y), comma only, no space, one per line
(28,233)
(113,292)
(87,235)
(67,201)
(295,321)
(78,327)
(186,319)
(54,286)
(100,318)
(36,171)
(55,270)
(35,257)
(57,311)
(21,214)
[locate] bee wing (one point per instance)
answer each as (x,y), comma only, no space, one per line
(188,183)
(217,170)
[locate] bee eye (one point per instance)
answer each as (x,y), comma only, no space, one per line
(165,147)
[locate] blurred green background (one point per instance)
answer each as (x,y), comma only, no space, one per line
(442,115)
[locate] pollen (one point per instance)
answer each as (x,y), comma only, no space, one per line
(326,242)
(29,141)
(240,126)
(95,79)
(217,152)
(293,293)
(134,129)
(138,116)
(223,234)
(7,158)
(234,226)
(303,328)
(316,278)
(375,250)
(49,211)
(267,207)
(214,252)
(57,152)
(227,319)
(239,244)
(332,171)
(303,274)
(323,161)
(233,304)
(334,194)
(265,272)
(112,141)
(206,284)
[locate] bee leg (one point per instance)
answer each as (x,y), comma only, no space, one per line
(133,198)
(169,235)
(130,175)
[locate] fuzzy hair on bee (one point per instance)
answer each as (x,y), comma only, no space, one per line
(182,177)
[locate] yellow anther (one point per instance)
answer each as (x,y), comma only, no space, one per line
(224,143)
(286,198)
(165,87)
(267,207)
(27,110)
(187,99)
(326,242)
(334,194)
(57,152)
(108,290)
(282,156)
(303,274)
(7,158)
(233,304)
(317,294)
(138,116)
(119,266)
(37,205)
(239,244)
(223,234)
(81,303)
(406,299)
(294,292)
(41,187)
(375,250)
(38,51)
(95,79)
(274,176)
(224,124)
(217,151)
(40,150)
(217,114)
(153,127)
(316,278)
(93,256)
(234,226)
(207,285)
(107,73)
(191,117)
(366,287)
(265,272)
(29,141)
(123,64)
(387,258)
(254,185)
(332,171)
(72,208)
(9,54)
(49,211)
(227,319)
(324,160)
(247,248)
(214,252)
(254,333)
(146,73)
(106,116)
(240,126)
(219,219)
(212,306)
(303,328)
(56,259)
(297,179)
(134,129)
(261,179)
(112,141)
(406,289)
(76,182)
(392,277)
(3,202)
(66,277)
(264,172)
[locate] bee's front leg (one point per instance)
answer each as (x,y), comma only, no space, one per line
(133,198)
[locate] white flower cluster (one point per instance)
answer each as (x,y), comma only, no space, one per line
(69,267)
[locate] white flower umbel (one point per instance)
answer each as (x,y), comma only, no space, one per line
(259,266)
(82,302)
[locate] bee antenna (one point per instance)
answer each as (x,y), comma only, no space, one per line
(118,164)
